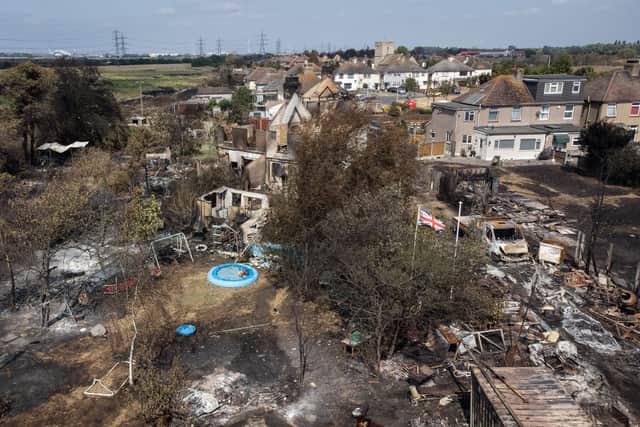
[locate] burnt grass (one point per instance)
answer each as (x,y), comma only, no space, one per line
(29,381)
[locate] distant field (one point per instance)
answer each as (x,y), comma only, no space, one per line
(127,78)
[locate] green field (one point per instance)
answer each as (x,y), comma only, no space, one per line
(126,79)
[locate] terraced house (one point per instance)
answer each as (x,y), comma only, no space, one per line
(615,97)
(511,116)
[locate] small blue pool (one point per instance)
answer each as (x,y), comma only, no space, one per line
(233,275)
(186,330)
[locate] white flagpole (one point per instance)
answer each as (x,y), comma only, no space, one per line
(415,240)
(455,248)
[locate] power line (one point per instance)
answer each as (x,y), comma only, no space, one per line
(123,44)
(201,46)
(116,40)
(262,43)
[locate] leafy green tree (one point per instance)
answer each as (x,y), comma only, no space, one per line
(84,107)
(602,140)
(314,57)
(402,50)
(27,87)
(411,85)
(141,219)
(241,104)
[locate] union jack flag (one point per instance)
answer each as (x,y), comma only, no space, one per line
(425,218)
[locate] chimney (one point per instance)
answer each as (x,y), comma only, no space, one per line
(518,74)
(633,67)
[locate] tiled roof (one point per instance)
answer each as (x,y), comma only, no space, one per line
(324,88)
(449,65)
(351,68)
(618,86)
(399,63)
(307,80)
(503,90)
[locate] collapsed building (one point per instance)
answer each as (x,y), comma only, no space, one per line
(233,216)
(262,152)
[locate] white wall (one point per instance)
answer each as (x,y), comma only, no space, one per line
(357,81)
(485,146)
(398,79)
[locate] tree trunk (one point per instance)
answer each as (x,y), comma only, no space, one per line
(32,137)
(13,282)
(25,146)
(44,295)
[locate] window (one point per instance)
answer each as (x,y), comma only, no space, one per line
(576,87)
(612,109)
(349,76)
(504,144)
(635,109)
(448,136)
(553,88)
(466,139)
(433,134)
(575,140)
(544,113)
(347,86)
(469,116)
(529,144)
(634,132)
(568,112)
(341,75)
(516,114)
(493,115)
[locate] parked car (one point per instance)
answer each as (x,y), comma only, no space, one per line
(392,89)
(455,90)
(410,104)
(402,91)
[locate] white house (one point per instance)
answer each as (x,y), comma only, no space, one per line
(355,76)
(508,142)
(397,68)
(451,70)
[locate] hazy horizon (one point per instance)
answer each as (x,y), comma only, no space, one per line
(167,26)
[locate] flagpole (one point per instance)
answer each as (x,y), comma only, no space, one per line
(455,248)
(415,240)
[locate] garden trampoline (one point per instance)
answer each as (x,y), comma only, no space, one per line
(232,275)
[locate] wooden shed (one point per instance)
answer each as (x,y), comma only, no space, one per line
(546,404)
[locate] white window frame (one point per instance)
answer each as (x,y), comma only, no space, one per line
(568,110)
(497,112)
(553,88)
(545,112)
(612,109)
(469,116)
(636,105)
(498,144)
(577,85)
(536,144)
(519,115)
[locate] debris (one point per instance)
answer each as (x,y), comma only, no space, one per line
(98,330)
(204,403)
(445,401)
(551,336)
(588,331)
(550,251)
(111,383)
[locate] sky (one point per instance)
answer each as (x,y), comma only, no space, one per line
(163,26)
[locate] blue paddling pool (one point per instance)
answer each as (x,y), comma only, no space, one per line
(185,330)
(232,275)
